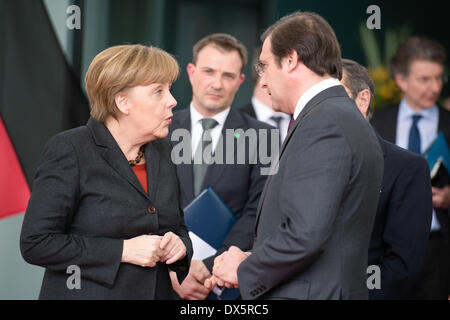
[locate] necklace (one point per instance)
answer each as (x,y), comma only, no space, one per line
(138,158)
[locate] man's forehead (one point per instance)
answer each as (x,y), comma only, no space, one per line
(266,49)
(420,66)
(214,58)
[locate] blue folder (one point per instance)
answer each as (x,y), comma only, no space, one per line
(209,218)
(438,149)
(438,158)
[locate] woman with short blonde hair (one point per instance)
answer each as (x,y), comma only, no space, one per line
(106,197)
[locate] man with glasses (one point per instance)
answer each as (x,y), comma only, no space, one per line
(260,106)
(418,69)
(315,216)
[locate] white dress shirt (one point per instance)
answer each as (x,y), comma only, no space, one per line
(197,129)
(312,92)
(264,114)
(427,125)
(428,131)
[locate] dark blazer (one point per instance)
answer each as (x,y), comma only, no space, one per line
(402,224)
(248,109)
(86,201)
(316,214)
(238,185)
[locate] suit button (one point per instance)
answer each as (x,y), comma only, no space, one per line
(151,210)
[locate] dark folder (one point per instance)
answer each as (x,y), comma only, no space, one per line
(438,157)
(209,218)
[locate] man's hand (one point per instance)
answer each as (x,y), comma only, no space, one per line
(441,197)
(192,287)
(225,268)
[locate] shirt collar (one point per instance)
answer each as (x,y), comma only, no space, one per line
(312,92)
(219,117)
(406,112)
(263,112)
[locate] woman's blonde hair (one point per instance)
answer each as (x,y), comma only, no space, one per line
(121,67)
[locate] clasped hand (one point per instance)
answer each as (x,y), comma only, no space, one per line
(148,250)
(225,268)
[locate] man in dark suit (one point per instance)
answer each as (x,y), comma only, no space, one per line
(215,75)
(316,214)
(417,68)
(260,106)
(403,220)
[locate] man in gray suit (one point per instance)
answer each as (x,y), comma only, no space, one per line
(315,216)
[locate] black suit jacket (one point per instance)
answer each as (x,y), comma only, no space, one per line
(86,200)
(238,185)
(402,223)
(248,109)
(385,122)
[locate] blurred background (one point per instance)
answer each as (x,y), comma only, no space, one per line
(44,57)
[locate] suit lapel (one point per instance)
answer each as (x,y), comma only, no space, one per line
(152,160)
(234,121)
(113,155)
(182,120)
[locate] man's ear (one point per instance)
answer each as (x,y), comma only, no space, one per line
(122,103)
(190,68)
(291,60)
(241,78)
(363,101)
(401,81)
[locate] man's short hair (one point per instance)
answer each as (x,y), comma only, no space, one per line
(416,48)
(311,37)
(223,42)
(356,78)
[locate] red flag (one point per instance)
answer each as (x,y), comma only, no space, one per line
(14,190)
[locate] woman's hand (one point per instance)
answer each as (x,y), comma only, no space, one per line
(143,251)
(174,249)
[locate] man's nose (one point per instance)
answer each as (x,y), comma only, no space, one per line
(217,82)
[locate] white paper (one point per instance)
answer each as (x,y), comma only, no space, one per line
(202,249)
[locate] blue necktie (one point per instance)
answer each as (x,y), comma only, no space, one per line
(414,135)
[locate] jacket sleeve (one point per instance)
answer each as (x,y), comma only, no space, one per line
(45,239)
(181,267)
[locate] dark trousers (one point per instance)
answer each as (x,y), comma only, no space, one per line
(434,280)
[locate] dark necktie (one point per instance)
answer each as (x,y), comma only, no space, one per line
(199,168)
(291,122)
(414,135)
(277,120)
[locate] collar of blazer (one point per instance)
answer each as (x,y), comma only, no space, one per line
(335,91)
(114,156)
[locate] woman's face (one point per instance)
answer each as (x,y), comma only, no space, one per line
(150,109)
